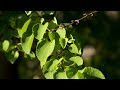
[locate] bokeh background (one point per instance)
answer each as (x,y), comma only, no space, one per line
(100,35)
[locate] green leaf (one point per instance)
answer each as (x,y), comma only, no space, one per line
(77,59)
(41,31)
(49,63)
(49,12)
(71,40)
(44,50)
(31,55)
(27,43)
(71,71)
(73,48)
(24,28)
(12,56)
(51,35)
(54,66)
(49,75)
(61,75)
(62,32)
(28,12)
(92,73)
(63,42)
(42,20)
(78,75)
(5,45)
(52,24)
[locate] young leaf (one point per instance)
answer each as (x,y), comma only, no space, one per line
(41,31)
(49,75)
(27,43)
(52,24)
(61,75)
(78,75)
(62,32)
(51,35)
(63,42)
(77,59)
(24,28)
(49,63)
(44,50)
(5,45)
(54,66)
(12,56)
(73,48)
(92,73)
(28,12)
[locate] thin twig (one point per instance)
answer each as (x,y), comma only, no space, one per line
(85,16)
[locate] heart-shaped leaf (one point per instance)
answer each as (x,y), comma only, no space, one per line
(73,48)
(77,59)
(62,32)
(63,42)
(41,31)
(92,73)
(44,50)
(24,28)
(61,75)
(27,43)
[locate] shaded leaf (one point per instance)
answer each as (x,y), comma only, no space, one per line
(70,71)
(12,56)
(52,24)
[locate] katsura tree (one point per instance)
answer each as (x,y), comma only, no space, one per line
(55,44)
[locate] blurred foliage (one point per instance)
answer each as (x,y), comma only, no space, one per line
(100,31)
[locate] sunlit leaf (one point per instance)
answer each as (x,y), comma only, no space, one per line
(51,35)
(28,12)
(49,75)
(63,42)
(62,32)
(5,45)
(61,75)
(73,48)
(77,59)
(44,50)
(24,28)
(93,73)
(49,63)
(54,66)
(78,75)
(41,31)
(27,43)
